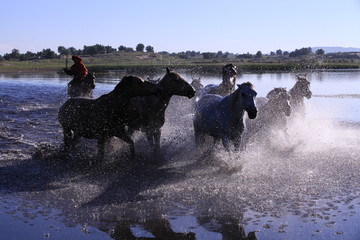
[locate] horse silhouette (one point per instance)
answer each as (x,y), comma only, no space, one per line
(222,117)
(147,113)
(102,118)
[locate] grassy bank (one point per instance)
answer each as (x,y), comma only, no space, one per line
(149,62)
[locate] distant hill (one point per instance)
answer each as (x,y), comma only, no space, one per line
(336,49)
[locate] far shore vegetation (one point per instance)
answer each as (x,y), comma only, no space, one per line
(99,58)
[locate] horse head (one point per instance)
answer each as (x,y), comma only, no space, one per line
(135,86)
(196,83)
(227,85)
(247,96)
(173,84)
(229,74)
(279,98)
(303,86)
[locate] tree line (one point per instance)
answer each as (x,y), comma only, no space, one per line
(61,50)
(101,49)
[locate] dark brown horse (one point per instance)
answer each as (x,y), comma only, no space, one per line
(103,117)
(147,114)
(82,87)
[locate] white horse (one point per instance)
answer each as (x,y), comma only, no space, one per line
(222,117)
(300,91)
(226,87)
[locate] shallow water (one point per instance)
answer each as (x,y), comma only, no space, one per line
(303,188)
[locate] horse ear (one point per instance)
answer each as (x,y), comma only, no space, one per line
(167,70)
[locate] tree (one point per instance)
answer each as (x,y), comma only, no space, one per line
(208,55)
(129,49)
(73,51)
(47,54)
(258,54)
(122,48)
(300,52)
(28,55)
(320,52)
(219,54)
(140,47)
(245,55)
(279,52)
(62,50)
(15,54)
(149,49)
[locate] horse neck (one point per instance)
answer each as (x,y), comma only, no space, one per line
(295,93)
(223,86)
(230,102)
(271,109)
(166,95)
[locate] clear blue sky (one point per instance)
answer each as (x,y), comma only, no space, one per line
(236,26)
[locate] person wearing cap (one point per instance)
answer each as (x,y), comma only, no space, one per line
(78,69)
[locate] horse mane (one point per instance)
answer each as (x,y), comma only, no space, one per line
(301,80)
(276,92)
(125,81)
(229,65)
(249,84)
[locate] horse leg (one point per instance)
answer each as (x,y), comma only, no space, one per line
(237,142)
(226,143)
(101,148)
(150,138)
(68,135)
(123,135)
(199,138)
(157,137)
(70,139)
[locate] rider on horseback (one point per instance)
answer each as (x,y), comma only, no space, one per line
(78,70)
(83,82)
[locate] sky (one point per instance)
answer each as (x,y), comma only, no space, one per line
(235,26)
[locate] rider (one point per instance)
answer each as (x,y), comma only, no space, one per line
(78,69)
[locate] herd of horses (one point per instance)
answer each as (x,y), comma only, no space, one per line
(136,104)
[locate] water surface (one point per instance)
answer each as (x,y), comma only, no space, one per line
(305,188)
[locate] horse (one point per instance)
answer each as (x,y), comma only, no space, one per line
(272,113)
(300,90)
(82,88)
(226,87)
(103,117)
(196,84)
(147,113)
(222,117)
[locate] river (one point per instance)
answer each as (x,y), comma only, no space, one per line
(307,188)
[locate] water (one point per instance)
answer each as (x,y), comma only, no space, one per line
(306,188)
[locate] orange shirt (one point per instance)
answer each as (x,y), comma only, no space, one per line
(78,69)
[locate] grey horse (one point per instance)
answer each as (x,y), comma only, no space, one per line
(222,117)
